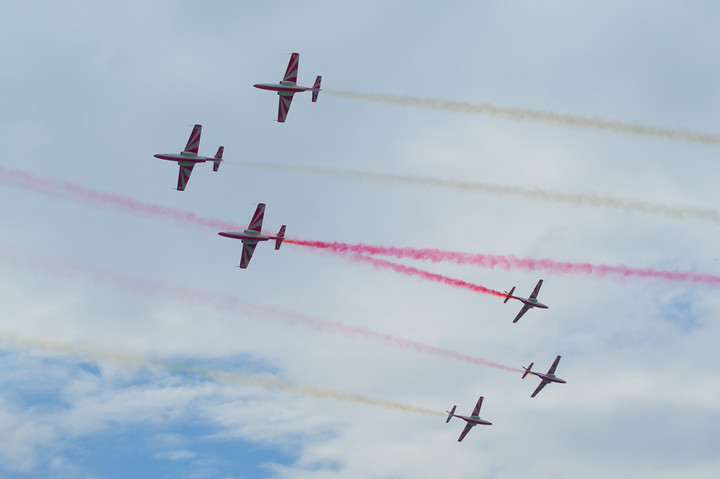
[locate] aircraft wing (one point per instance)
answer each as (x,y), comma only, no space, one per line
(536,290)
(477,406)
(184,175)
(468,426)
(284,107)
(193,144)
(257,219)
(292,68)
(247,252)
(524,310)
(554,366)
(539,388)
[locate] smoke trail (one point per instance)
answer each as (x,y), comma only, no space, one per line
(74,192)
(522,114)
(410,271)
(508,263)
(253,380)
(178,293)
(577,199)
(79,194)
(305,390)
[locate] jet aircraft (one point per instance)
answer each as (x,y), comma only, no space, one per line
(528,303)
(288,87)
(189,157)
(253,235)
(547,378)
(472,420)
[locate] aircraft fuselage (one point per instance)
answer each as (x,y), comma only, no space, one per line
(548,377)
(246,236)
(474,420)
(533,303)
(183,157)
(282,87)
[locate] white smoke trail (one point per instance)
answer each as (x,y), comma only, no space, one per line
(577,199)
(522,114)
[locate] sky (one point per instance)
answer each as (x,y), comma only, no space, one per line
(132,346)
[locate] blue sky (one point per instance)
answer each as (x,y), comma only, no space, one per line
(90,385)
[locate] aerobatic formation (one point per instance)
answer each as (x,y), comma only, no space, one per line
(252,235)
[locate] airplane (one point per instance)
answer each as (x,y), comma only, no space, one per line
(547,378)
(528,303)
(472,420)
(288,87)
(189,157)
(253,235)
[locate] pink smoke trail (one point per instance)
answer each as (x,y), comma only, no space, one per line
(438,278)
(155,288)
(507,262)
(79,194)
(86,196)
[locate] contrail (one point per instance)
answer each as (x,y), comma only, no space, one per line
(179,293)
(53,188)
(577,199)
(252,380)
(507,263)
(79,194)
(411,271)
(522,114)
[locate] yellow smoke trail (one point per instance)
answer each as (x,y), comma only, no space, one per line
(578,199)
(252,380)
(522,114)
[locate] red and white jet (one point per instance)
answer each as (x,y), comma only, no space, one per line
(189,157)
(528,303)
(547,378)
(472,420)
(288,87)
(253,235)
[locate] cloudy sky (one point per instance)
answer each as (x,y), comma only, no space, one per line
(132,346)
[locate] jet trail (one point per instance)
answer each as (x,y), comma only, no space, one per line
(251,380)
(155,288)
(88,197)
(507,262)
(410,271)
(522,114)
(577,199)
(53,188)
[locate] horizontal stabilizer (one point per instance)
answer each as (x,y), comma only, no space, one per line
(509,295)
(451,413)
(218,158)
(316,89)
(280,237)
(527,370)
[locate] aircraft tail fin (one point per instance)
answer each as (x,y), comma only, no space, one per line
(218,158)
(451,413)
(509,295)
(316,89)
(527,370)
(280,237)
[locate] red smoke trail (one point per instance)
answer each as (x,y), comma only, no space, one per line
(508,262)
(410,271)
(86,196)
(80,194)
(155,288)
